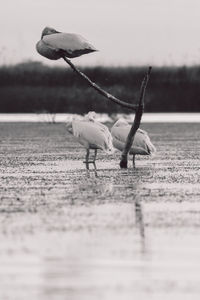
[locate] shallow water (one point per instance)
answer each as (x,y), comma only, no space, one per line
(126,234)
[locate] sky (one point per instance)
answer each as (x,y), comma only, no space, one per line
(126,32)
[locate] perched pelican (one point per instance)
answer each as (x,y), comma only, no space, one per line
(141,143)
(92,135)
(55,44)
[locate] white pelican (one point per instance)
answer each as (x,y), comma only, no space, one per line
(141,143)
(55,44)
(92,135)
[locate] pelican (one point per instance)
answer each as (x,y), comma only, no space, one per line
(55,44)
(92,135)
(141,143)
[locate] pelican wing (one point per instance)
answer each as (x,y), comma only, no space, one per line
(71,44)
(93,135)
(120,133)
(141,143)
(144,142)
(46,51)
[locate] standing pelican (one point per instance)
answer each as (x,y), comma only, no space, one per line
(141,143)
(55,44)
(92,135)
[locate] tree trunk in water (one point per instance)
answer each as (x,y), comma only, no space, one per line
(136,122)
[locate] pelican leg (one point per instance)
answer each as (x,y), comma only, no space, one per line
(87,159)
(94,163)
(133,161)
(94,160)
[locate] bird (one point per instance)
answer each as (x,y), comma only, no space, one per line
(92,135)
(54,44)
(141,143)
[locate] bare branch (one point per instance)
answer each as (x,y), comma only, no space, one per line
(136,122)
(100,90)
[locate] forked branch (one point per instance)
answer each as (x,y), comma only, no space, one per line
(100,90)
(136,122)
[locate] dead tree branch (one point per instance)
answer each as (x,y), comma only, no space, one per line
(100,90)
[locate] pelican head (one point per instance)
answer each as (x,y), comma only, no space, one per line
(48,30)
(90,116)
(121,122)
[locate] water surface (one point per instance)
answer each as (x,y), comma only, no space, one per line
(126,234)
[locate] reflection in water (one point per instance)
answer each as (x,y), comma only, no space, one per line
(139,221)
(64,278)
(89,172)
(103,257)
(93,191)
(139,217)
(103,246)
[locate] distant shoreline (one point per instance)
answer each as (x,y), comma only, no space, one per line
(63,117)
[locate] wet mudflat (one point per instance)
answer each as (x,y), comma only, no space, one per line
(122,235)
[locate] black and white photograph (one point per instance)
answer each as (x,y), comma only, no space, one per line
(100,150)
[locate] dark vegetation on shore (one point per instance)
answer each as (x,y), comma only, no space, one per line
(34,87)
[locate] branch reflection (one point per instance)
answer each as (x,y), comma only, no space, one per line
(139,221)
